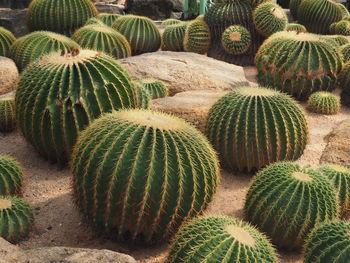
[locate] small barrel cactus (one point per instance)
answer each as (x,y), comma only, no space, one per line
(143,96)
(6,40)
(239,127)
(220,239)
(341,28)
(323,102)
(156,87)
(16,218)
(138,174)
(141,32)
(236,40)
(269,18)
(103,38)
(287,201)
(38,44)
(173,37)
(345,51)
(328,243)
(171,21)
(296,27)
(197,37)
(60,94)
(108,19)
(7,114)
(11,176)
(61,16)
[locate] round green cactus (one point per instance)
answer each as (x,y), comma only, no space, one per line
(269,18)
(294,7)
(103,38)
(94,21)
(11,176)
(345,51)
(323,102)
(143,95)
(60,94)
(16,218)
(173,37)
(6,40)
(220,239)
(341,28)
(236,40)
(344,83)
(108,19)
(239,127)
(298,63)
(138,174)
(287,201)
(7,114)
(155,87)
(197,37)
(141,32)
(296,27)
(171,21)
(337,40)
(35,45)
(343,9)
(328,243)
(61,16)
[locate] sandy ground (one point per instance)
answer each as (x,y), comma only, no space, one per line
(58,223)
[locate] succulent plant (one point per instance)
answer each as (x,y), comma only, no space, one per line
(138,174)
(155,87)
(344,83)
(35,45)
(171,21)
(341,28)
(298,63)
(296,27)
(7,114)
(6,40)
(60,94)
(236,40)
(343,10)
(328,242)
(103,38)
(269,18)
(61,16)
(108,19)
(345,51)
(173,37)
(197,37)
(16,218)
(255,3)
(239,127)
(337,40)
(220,239)
(294,7)
(143,97)
(286,201)
(323,102)
(141,32)
(11,176)
(94,21)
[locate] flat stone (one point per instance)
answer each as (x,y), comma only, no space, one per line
(8,75)
(14,20)
(110,8)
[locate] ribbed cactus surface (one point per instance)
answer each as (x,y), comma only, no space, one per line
(143,96)
(296,27)
(138,174)
(220,239)
(286,201)
(252,127)
(7,114)
(294,7)
(343,9)
(94,21)
(11,176)
(236,40)
(173,37)
(197,37)
(6,40)
(342,28)
(171,21)
(337,40)
(344,84)
(156,87)
(61,16)
(60,94)
(108,19)
(345,51)
(323,102)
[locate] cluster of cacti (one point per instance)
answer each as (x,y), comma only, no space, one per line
(239,127)
(344,83)
(287,201)
(6,40)
(61,16)
(141,32)
(341,28)
(11,176)
(16,218)
(103,38)
(138,174)
(171,21)
(60,94)
(143,96)
(328,243)
(197,37)
(236,40)
(173,37)
(298,63)
(345,51)
(38,44)
(108,19)
(7,114)
(155,87)
(296,27)
(220,239)
(323,102)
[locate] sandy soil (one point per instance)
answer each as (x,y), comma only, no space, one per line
(58,223)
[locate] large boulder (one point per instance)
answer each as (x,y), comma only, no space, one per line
(14,20)
(155,9)
(182,71)
(8,75)
(14,3)
(110,8)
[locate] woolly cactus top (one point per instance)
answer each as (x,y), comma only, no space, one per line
(257,92)
(68,58)
(5,204)
(338,168)
(241,235)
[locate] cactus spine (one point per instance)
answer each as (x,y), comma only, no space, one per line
(11,176)
(108,19)
(236,40)
(173,37)
(324,103)
(156,87)
(345,51)
(171,21)
(7,115)
(143,95)
(197,37)
(341,28)
(6,40)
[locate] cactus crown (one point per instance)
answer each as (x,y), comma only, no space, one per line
(5,204)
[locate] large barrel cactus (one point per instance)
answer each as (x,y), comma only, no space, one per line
(173,37)
(6,40)
(298,63)
(11,176)
(287,201)
(138,174)
(61,16)
(220,239)
(7,114)
(60,94)
(323,102)
(252,127)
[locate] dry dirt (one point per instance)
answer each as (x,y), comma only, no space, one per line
(58,223)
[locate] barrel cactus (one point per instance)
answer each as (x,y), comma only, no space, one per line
(328,243)
(296,27)
(286,201)
(197,37)
(343,9)
(323,102)
(220,239)
(143,96)
(155,87)
(294,7)
(345,51)
(337,40)
(171,21)
(173,37)
(38,44)
(344,83)
(6,40)
(298,63)
(236,40)
(7,114)
(16,218)
(341,28)
(108,19)
(255,3)
(60,94)
(138,174)
(239,127)
(61,16)
(11,176)
(94,21)
(141,32)
(103,38)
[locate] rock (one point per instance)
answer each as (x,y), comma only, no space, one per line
(110,8)
(337,149)
(192,106)
(9,253)
(182,71)
(14,20)
(155,9)
(8,75)
(15,4)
